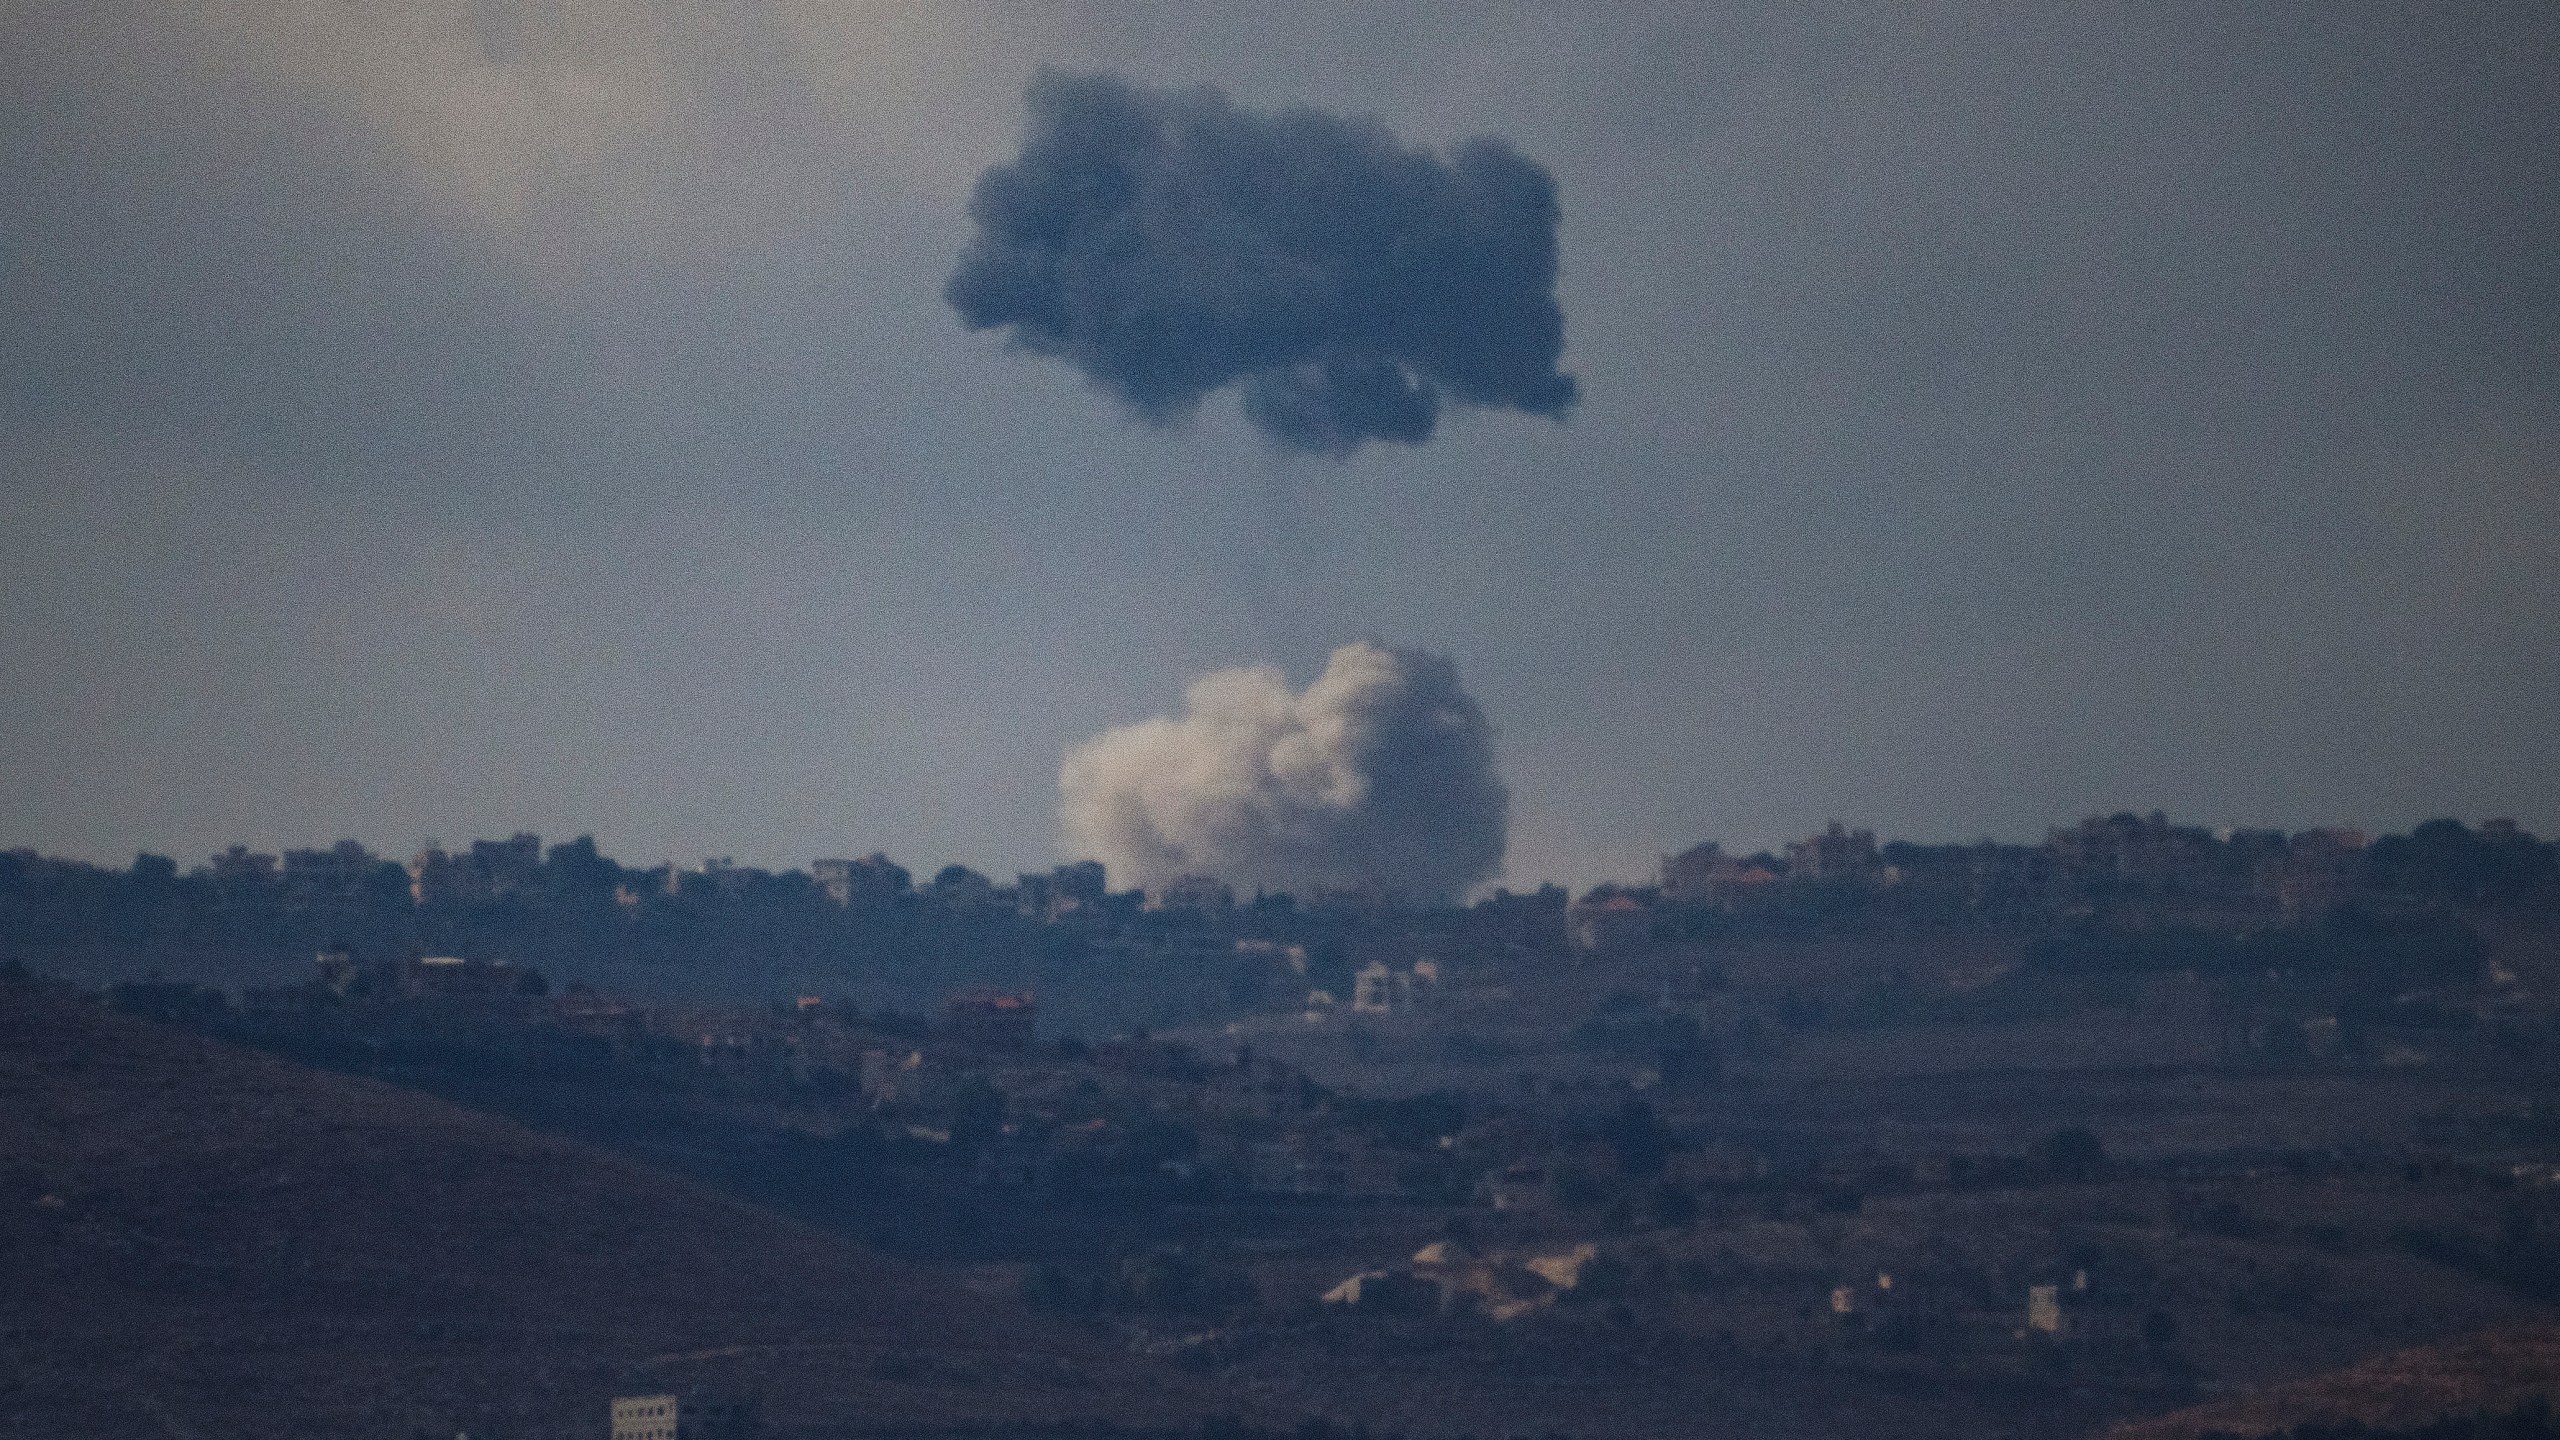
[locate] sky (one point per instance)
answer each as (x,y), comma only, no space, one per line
(435,422)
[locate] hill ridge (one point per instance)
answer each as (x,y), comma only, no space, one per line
(208,1241)
(2488,1370)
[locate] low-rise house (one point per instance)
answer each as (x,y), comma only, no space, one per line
(1393,1292)
(2318,870)
(2044,1309)
(1379,988)
(992,1020)
(1608,919)
(1068,890)
(1838,855)
(1562,1268)
(453,975)
(1705,875)
(340,872)
(1291,958)
(1446,1275)
(873,879)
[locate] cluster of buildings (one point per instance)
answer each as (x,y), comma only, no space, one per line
(2123,860)
(1448,1276)
(344,976)
(489,870)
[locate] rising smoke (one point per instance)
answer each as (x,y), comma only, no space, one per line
(1167,244)
(1380,773)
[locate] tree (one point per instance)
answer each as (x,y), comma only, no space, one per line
(1637,1137)
(977,1112)
(2072,1154)
(1673,1206)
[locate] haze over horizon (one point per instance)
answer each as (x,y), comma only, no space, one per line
(526,418)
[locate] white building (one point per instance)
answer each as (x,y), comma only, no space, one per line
(678,1417)
(1376,990)
(2044,1309)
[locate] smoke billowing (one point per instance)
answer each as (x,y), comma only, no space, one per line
(1380,772)
(1167,244)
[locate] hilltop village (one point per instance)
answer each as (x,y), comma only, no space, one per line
(2056,1126)
(1193,949)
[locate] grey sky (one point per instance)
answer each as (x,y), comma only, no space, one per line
(547,417)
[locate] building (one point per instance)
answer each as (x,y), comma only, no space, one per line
(338,872)
(872,879)
(1395,1292)
(1608,919)
(2044,1309)
(511,866)
(1705,875)
(1206,894)
(2317,870)
(683,1417)
(1500,1286)
(1062,892)
(961,886)
(1688,878)
(1084,880)
(717,876)
(1291,958)
(990,1019)
(490,870)
(448,975)
(1521,1189)
(1837,854)
(239,868)
(2133,854)
(1378,989)
(1997,875)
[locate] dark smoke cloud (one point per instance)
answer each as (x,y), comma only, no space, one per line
(1379,773)
(1167,244)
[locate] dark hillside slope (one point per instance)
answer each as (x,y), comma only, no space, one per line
(198,1241)
(2491,1372)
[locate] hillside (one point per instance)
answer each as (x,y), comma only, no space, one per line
(2494,1370)
(204,1242)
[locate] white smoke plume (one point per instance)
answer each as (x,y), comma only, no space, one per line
(1379,773)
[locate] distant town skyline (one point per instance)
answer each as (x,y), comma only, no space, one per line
(2096,843)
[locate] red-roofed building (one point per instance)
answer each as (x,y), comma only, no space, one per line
(994,1020)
